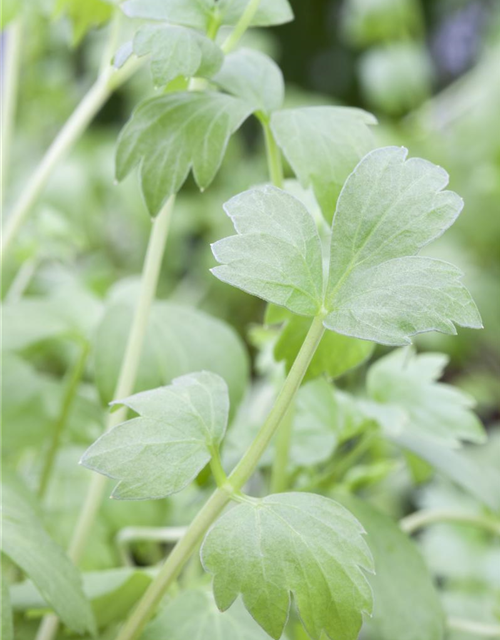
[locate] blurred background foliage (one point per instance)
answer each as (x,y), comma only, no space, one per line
(430,72)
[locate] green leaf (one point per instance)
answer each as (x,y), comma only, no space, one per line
(296,544)
(480,480)
(193,614)
(163,450)
(407,605)
(406,383)
(111,593)
(176,343)
(323,145)
(198,13)
(177,51)
(7,624)
(335,354)
(277,252)
(168,135)
(84,14)
(28,545)
(378,289)
(253,77)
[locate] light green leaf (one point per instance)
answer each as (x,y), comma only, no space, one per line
(84,14)
(407,605)
(193,614)
(177,51)
(405,382)
(110,593)
(323,145)
(378,290)
(176,344)
(296,544)
(197,13)
(163,450)
(335,354)
(277,252)
(253,77)
(480,480)
(27,544)
(7,624)
(168,135)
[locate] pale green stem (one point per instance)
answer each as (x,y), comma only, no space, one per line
(124,388)
(279,477)
(478,629)
(10,81)
(79,120)
(149,534)
(241,26)
(274,162)
(67,403)
(22,280)
(223,494)
(426,517)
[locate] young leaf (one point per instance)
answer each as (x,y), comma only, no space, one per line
(323,145)
(163,450)
(176,51)
(377,289)
(197,13)
(29,546)
(176,344)
(84,14)
(168,135)
(277,252)
(193,614)
(296,544)
(407,383)
(335,354)
(253,77)
(403,591)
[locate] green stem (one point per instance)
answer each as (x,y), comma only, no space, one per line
(79,120)
(273,153)
(10,81)
(222,495)
(67,403)
(421,519)
(279,477)
(241,26)
(474,628)
(150,534)
(124,388)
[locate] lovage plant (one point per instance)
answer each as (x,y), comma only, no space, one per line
(288,545)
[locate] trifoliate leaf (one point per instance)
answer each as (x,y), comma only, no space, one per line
(163,450)
(28,545)
(407,383)
(296,544)
(407,605)
(323,145)
(7,623)
(176,344)
(198,13)
(194,614)
(176,51)
(253,77)
(378,290)
(335,354)
(168,135)
(277,252)
(84,14)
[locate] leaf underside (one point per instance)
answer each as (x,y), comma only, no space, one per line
(163,450)
(292,543)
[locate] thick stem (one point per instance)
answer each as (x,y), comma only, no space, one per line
(67,403)
(10,80)
(92,102)
(273,153)
(421,519)
(241,26)
(478,629)
(222,495)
